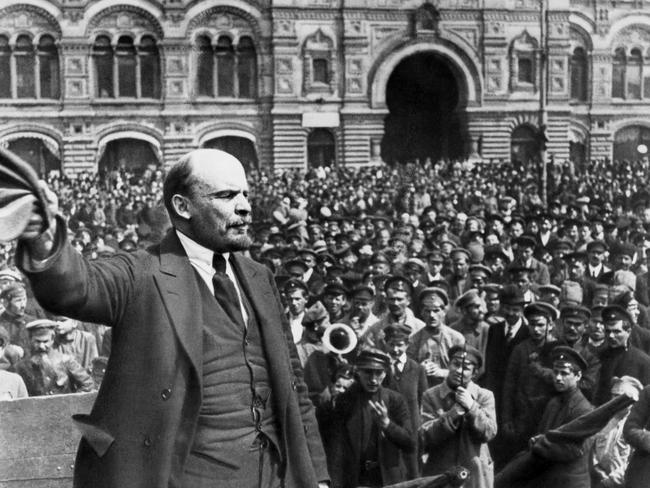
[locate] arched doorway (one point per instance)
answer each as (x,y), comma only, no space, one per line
(427,118)
(240,147)
(35,152)
(629,143)
(524,147)
(321,148)
(134,155)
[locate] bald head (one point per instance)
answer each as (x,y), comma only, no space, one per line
(206,195)
(197,167)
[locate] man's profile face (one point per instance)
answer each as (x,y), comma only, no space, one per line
(218,207)
(565,378)
(473,312)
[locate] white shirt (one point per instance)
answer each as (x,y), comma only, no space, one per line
(201,260)
(296,326)
(511,330)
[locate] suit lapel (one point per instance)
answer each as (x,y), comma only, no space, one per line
(180,294)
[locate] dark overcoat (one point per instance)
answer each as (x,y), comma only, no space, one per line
(141,427)
(344,432)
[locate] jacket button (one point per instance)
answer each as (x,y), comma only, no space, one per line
(147,442)
(166,393)
(294,385)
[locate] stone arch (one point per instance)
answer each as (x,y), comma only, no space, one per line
(48,157)
(625,25)
(37,18)
(523,119)
(225,17)
(467,71)
(225,130)
(198,11)
(107,144)
(125,18)
(580,37)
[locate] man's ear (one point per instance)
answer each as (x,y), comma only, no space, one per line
(181,205)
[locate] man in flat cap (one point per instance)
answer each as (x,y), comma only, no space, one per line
(570,331)
(524,257)
(407,377)
(370,428)
(361,317)
(457,279)
(620,358)
(47,371)
(314,322)
(14,318)
(430,346)
(335,300)
(569,461)
(398,299)
(525,390)
(296,296)
(596,254)
(471,323)
(459,419)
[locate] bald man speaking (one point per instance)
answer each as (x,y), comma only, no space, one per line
(202,388)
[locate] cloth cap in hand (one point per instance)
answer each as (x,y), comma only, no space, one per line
(19,191)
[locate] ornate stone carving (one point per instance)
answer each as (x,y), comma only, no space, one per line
(28,18)
(284,28)
(221,18)
(632,36)
(125,17)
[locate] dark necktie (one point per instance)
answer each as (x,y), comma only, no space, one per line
(224,290)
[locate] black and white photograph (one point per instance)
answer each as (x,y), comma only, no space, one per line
(324,243)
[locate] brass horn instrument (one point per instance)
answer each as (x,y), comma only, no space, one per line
(339,338)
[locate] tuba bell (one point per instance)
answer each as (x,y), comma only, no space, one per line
(339,338)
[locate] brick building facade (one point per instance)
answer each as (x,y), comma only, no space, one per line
(91,84)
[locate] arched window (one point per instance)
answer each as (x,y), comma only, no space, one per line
(103,57)
(204,67)
(5,68)
(321,149)
(618,73)
(524,145)
(48,67)
(525,69)
(149,68)
(25,67)
(126,67)
(321,70)
(225,67)
(579,75)
(226,70)
(246,72)
(634,74)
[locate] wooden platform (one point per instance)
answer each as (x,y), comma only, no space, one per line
(38,441)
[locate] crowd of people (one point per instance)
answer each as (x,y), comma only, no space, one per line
(442,314)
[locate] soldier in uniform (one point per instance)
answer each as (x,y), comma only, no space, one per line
(458,421)
(569,461)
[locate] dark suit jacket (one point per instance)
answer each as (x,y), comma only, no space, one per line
(141,427)
(344,419)
(497,354)
(411,383)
